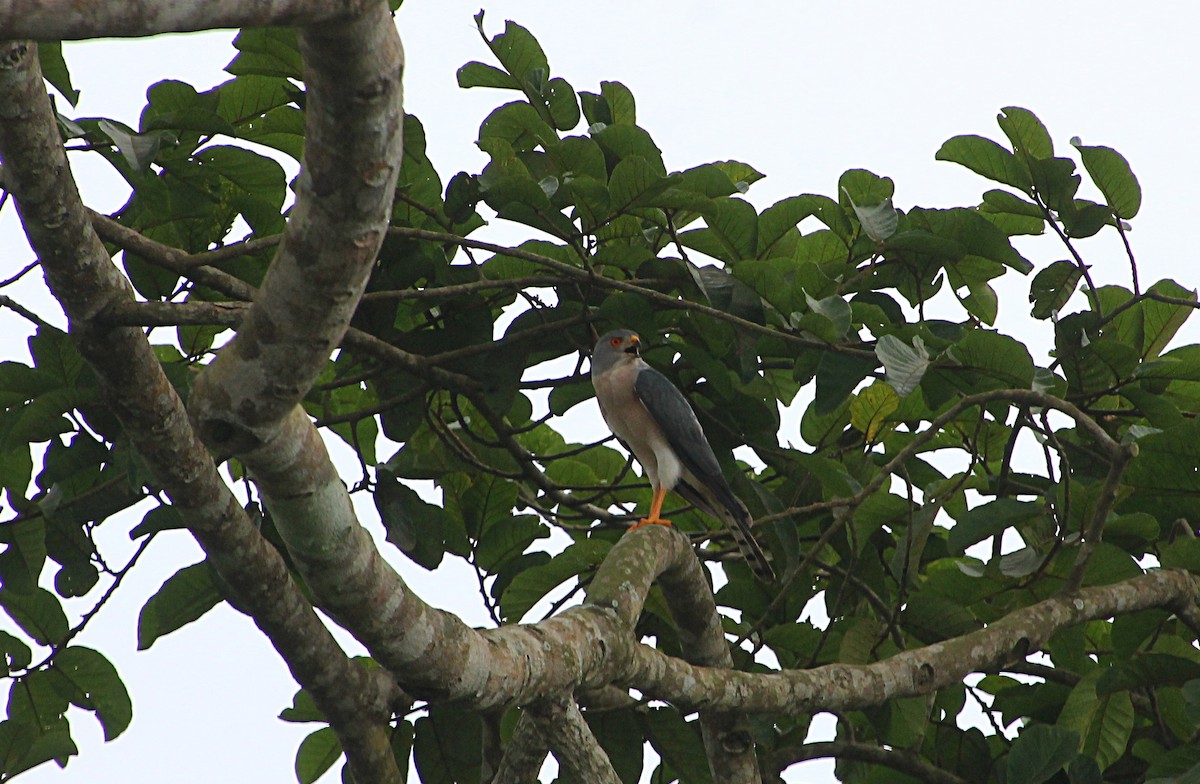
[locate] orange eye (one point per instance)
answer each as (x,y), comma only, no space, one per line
(615,341)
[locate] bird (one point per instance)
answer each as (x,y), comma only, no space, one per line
(654,420)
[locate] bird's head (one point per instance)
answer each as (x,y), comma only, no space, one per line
(620,345)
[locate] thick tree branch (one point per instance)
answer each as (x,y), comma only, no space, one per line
(82,277)
(353,146)
(524,754)
(62,20)
(727,739)
(568,736)
(837,687)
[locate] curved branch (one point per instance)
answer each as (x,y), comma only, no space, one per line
(838,687)
(353,146)
(728,742)
(61,20)
(83,279)
(524,753)
(571,740)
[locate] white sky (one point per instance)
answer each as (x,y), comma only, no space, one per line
(801,91)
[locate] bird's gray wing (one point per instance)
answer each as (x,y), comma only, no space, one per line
(675,417)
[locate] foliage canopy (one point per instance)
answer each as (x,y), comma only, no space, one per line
(951,477)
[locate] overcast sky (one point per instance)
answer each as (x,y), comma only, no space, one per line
(801,91)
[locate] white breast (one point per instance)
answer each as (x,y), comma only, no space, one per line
(631,422)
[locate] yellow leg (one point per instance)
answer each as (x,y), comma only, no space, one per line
(660,493)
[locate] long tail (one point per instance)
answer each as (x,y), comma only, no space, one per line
(730,510)
(756,559)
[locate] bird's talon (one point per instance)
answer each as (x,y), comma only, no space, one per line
(648,521)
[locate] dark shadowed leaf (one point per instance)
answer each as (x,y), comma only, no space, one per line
(1039,753)
(1112,175)
(38,612)
(986,158)
(316,754)
(98,687)
(183,598)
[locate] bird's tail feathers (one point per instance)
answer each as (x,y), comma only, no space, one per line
(751,550)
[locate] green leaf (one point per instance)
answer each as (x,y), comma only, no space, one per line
(904,366)
(76,579)
(519,125)
(54,69)
(1112,175)
(176,106)
(1052,287)
(24,745)
(1163,320)
(182,598)
(24,558)
(634,183)
(1056,182)
(986,158)
(316,754)
(1104,723)
(735,226)
(38,612)
(14,654)
(976,235)
(1039,753)
(834,310)
(415,526)
(252,184)
(528,587)
(476,74)
(621,141)
(678,743)
(160,518)
(998,357)
(879,221)
(863,187)
(508,539)
(933,618)
(447,746)
(1026,132)
(562,104)
(871,407)
(267,51)
(621,106)
(517,50)
(138,149)
(620,735)
(564,397)
(1148,671)
(303,709)
(990,519)
(98,687)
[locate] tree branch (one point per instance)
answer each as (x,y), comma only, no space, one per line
(727,739)
(568,736)
(83,279)
(524,754)
(353,147)
(177,261)
(837,687)
(62,20)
